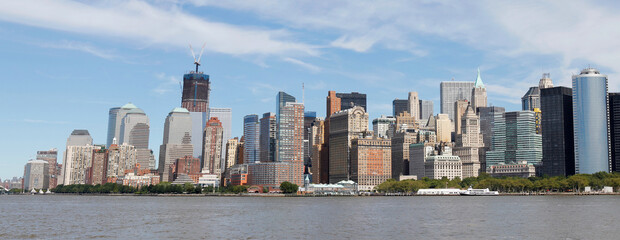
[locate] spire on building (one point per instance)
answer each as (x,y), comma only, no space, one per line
(545,81)
(478,83)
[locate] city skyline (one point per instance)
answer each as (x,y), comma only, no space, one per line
(69,76)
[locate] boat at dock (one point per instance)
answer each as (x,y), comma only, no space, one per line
(479,192)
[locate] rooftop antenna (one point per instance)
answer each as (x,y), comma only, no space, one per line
(197,60)
(303,93)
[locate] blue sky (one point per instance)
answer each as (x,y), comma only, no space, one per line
(63,64)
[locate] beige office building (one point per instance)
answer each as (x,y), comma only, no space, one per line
(344,127)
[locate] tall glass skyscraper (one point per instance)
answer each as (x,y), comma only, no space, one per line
(591,122)
(452,91)
(251,134)
(515,139)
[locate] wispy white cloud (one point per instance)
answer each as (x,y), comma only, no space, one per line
(167,83)
(41,121)
(82,47)
(303,64)
(151,24)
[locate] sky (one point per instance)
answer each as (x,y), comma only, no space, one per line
(63,64)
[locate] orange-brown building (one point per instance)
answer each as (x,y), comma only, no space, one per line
(371,162)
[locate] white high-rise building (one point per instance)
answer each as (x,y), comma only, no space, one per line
(414,105)
(36,175)
(381,126)
(77,157)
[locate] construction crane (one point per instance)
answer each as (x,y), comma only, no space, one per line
(197,60)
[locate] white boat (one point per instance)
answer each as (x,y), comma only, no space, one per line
(479,192)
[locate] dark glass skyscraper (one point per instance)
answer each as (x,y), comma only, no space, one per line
(557,131)
(349,100)
(614,130)
(399,106)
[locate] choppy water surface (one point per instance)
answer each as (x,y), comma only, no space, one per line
(125,217)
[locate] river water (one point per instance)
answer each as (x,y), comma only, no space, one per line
(432,217)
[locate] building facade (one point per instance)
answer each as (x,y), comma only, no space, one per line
(344,126)
(399,106)
(381,125)
(557,136)
(443,128)
(469,144)
(452,91)
(225,117)
(51,157)
(400,152)
(591,122)
(426,109)
(36,175)
(268,137)
(251,135)
(614,130)
(370,162)
(350,100)
(213,136)
(177,141)
(515,139)
(479,93)
(413,105)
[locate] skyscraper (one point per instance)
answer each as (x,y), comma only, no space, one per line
(134,130)
(231,152)
(558,141)
(51,157)
(196,88)
(345,126)
(460,106)
(413,105)
(251,135)
(120,158)
(478,94)
(195,98)
(332,106)
(290,140)
(98,172)
(212,148)
(370,162)
(268,136)
(591,122)
(36,175)
(381,125)
(349,100)
(515,139)
(225,117)
(531,99)
(426,109)
(77,157)
(452,91)
(177,142)
(399,106)
(443,127)
(487,117)
(400,151)
(614,130)
(469,143)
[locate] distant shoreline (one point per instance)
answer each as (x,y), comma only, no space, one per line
(294,195)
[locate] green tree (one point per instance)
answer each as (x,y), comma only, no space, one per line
(288,187)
